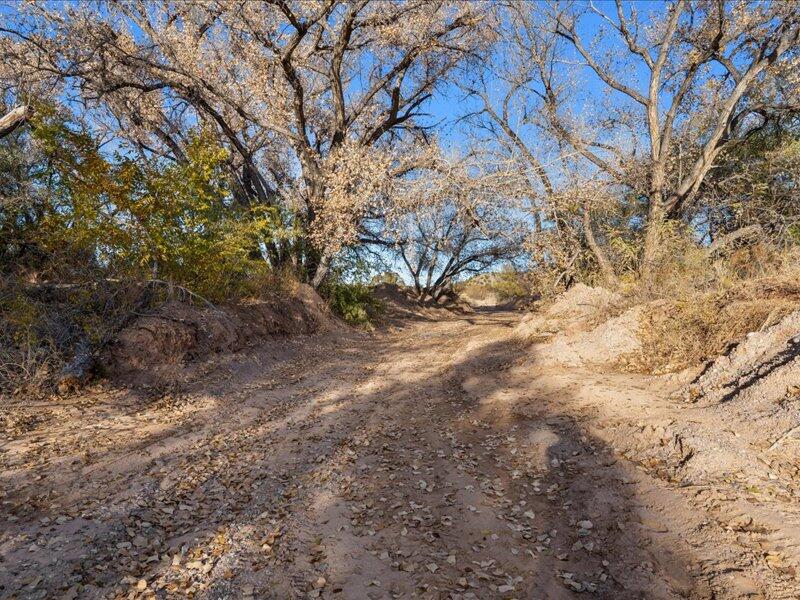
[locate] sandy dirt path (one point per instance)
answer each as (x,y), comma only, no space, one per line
(430,461)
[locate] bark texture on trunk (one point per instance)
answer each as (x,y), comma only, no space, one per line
(652,239)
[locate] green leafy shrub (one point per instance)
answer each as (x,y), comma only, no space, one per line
(353,302)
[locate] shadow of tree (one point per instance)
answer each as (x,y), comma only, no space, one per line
(349,470)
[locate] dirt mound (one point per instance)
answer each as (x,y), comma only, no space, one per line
(608,343)
(580,327)
(763,363)
(755,386)
(400,303)
(578,309)
(393,295)
(159,344)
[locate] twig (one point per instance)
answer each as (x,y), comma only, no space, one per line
(188,291)
(783,437)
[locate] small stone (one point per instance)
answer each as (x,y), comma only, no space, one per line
(142,585)
(575,585)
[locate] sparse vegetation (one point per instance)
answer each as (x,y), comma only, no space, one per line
(706,307)
(504,285)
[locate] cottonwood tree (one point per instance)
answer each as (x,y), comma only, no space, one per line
(449,218)
(677,87)
(508,117)
(288,86)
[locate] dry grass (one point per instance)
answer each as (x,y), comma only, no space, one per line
(44,326)
(704,306)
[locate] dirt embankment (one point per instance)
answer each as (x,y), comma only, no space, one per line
(161,345)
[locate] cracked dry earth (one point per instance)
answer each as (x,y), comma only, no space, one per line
(431,461)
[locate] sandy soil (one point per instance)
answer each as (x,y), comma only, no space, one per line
(435,460)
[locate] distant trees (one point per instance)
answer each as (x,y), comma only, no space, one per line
(452,217)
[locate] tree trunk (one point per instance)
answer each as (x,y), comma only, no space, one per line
(78,371)
(321,268)
(656,216)
(607,270)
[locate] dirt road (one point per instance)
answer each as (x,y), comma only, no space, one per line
(433,461)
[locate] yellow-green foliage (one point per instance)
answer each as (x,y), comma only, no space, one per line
(169,221)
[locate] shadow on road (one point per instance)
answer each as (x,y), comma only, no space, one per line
(406,465)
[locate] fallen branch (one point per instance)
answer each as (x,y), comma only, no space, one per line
(726,240)
(777,442)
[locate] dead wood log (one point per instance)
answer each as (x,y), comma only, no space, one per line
(77,372)
(747,232)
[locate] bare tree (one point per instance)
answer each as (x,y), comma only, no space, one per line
(452,217)
(680,85)
(511,115)
(285,84)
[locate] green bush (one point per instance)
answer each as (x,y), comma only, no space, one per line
(353,302)
(83,213)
